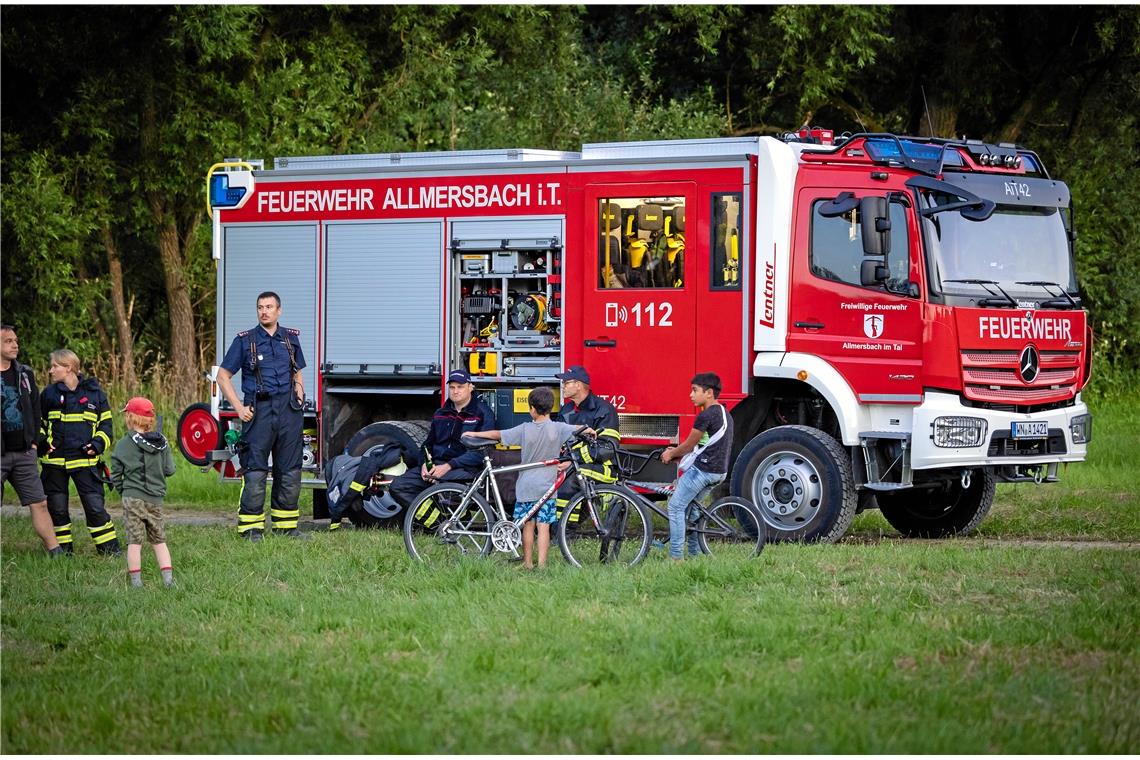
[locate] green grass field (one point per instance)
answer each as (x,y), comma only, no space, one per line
(342,645)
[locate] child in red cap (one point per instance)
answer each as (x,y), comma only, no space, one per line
(140,465)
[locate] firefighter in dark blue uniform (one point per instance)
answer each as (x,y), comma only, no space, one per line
(271,410)
(447,458)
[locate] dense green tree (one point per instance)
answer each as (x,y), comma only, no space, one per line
(110,117)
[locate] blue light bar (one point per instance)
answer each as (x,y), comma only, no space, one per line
(221,194)
(921,156)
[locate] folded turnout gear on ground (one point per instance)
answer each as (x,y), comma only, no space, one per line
(348,477)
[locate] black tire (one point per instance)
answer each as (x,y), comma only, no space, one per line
(946,511)
(625,520)
(731,522)
(437,511)
(800,480)
(410,434)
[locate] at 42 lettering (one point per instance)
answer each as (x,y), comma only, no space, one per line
(617,400)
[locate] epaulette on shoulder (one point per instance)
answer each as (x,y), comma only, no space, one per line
(244,333)
(293,330)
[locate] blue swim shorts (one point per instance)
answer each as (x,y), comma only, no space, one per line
(546,513)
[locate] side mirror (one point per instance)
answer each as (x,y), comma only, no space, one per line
(873,273)
(874,215)
(844,203)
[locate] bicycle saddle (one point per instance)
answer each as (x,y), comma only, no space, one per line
(476,443)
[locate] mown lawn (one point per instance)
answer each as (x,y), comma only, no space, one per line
(341,645)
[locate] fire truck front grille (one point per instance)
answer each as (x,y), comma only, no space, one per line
(649,426)
(992,377)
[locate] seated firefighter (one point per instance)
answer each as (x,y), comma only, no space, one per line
(446,459)
(583,407)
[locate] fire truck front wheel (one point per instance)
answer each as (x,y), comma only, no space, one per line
(948,510)
(801,480)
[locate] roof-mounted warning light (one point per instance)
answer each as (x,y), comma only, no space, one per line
(228,185)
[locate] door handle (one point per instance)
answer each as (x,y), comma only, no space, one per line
(810,325)
(601,343)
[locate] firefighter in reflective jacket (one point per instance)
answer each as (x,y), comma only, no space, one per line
(271,410)
(75,431)
(582,407)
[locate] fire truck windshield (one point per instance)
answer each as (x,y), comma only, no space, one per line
(1016,244)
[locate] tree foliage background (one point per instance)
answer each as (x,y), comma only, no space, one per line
(110,117)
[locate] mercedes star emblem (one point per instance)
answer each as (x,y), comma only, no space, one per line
(1029,364)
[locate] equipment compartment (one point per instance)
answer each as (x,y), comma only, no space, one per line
(507,320)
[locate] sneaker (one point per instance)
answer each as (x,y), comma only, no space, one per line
(253,536)
(58,552)
(658,544)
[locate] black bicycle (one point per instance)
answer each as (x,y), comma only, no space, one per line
(600,525)
(728,521)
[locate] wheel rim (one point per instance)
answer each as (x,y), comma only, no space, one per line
(788,490)
(434,538)
(197,435)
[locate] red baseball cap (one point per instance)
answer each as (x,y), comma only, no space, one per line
(140,406)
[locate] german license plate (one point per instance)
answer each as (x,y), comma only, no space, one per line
(1030,429)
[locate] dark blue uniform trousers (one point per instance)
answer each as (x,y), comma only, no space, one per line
(276,428)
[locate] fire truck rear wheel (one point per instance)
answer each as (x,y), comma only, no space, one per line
(800,478)
(948,511)
(410,434)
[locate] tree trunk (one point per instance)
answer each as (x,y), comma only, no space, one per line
(183,342)
(183,339)
(94,365)
(122,321)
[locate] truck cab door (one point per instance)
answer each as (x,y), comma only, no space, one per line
(638,295)
(871,333)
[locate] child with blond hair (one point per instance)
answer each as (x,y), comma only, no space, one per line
(140,465)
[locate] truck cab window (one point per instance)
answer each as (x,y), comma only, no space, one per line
(726,239)
(641,243)
(837,245)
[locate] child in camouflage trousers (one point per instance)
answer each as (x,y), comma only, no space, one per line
(140,465)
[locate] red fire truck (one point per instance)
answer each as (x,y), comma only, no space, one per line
(895,319)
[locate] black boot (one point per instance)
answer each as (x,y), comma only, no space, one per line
(59,551)
(109,548)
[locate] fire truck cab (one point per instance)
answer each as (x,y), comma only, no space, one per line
(895,320)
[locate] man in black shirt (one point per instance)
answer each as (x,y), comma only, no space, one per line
(18,444)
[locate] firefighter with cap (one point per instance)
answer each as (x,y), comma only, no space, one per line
(445,456)
(583,407)
(271,410)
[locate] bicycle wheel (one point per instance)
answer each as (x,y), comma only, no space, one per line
(620,537)
(731,525)
(440,525)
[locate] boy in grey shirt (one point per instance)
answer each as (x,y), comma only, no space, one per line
(541,440)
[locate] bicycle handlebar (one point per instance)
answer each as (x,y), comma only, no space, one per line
(627,469)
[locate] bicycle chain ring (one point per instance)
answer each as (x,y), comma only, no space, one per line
(506,536)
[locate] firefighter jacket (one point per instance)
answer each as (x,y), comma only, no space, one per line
(448,424)
(76,427)
(28,401)
(600,415)
(266,362)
